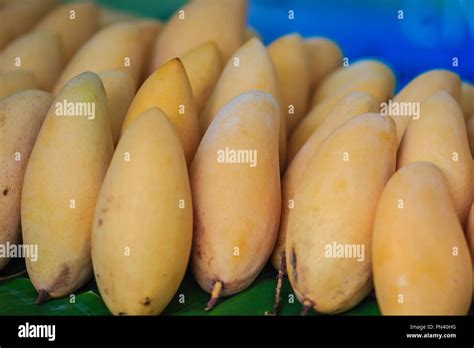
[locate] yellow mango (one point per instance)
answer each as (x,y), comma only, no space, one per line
(116,47)
(19,16)
(291,62)
(16,81)
(38,52)
(120,90)
(467,99)
(143,222)
(74,23)
(109,16)
(366,75)
(334,208)
(200,21)
(21,116)
(325,56)
(250,68)
(421,261)
(61,185)
(353,105)
(234,235)
(149,31)
(439,136)
(251,33)
(203,66)
(422,87)
(470,241)
(169,89)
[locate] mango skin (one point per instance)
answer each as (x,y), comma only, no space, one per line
(470,241)
(222,22)
(467,99)
(291,62)
(120,90)
(16,81)
(325,56)
(470,132)
(353,105)
(255,71)
(203,66)
(435,137)
(224,216)
(413,247)
(73,33)
(108,50)
(40,53)
(68,162)
(169,89)
(422,87)
(335,201)
(368,76)
(21,116)
(139,208)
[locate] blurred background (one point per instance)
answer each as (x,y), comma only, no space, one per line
(411,36)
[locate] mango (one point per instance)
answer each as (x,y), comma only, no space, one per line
(116,47)
(200,21)
(470,132)
(250,68)
(120,90)
(149,31)
(329,229)
(235,184)
(353,105)
(251,33)
(73,23)
(12,82)
(203,66)
(421,261)
(21,116)
(325,56)
(291,62)
(439,136)
(467,99)
(169,89)
(470,240)
(109,16)
(143,222)
(17,17)
(422,87)
(61,184)
(38,52)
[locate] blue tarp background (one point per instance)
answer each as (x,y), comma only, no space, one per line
(431,34)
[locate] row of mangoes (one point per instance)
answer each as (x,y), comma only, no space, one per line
(137,192)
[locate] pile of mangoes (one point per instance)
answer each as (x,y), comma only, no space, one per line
(130,149)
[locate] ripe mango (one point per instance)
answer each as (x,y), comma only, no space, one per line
(73,23)
(143,223)
(334,208)
(439,136)
(120,90)
(61,185)
(17,17)
(470,240)
(366,75)
(291,62)
(21,116)
(421,261)
(467,99)
(422,87)
(353,105)
(12,82)
(325,56)
(250,68)
(38,52)
(203,66)
(116,47)
(234,235)
(169,89)
(200,21)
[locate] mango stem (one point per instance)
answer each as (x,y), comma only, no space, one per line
(307,305)
(42,297)
(216,290)
(281,273)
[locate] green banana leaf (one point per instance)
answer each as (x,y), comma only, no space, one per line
(18,296)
